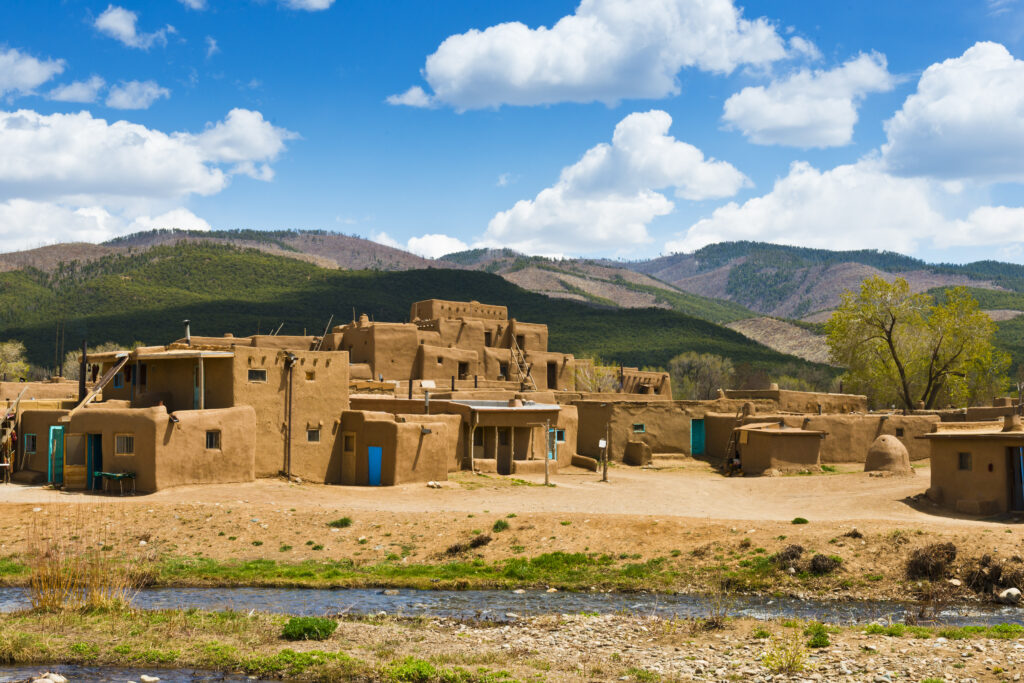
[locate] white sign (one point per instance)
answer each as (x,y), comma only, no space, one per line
(602,443)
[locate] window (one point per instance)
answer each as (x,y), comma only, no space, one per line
(639,428)
(310,375)
(213,440)
(119,380)
(313,435)
(503,369)
(30,443)
(257,375)
(487,338)
(964,461)
(439,361)
(899,431)
(124,444)
(559,436)
(349,442)
(521,342)
(142,374)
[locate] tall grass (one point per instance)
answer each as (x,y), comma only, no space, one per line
(72,566)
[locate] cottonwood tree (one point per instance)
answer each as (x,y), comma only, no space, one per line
(13,366)
(591,375)
(904,348)
(699,376)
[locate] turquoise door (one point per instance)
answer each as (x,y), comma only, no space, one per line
(55,468)
(374,459)
(696,437)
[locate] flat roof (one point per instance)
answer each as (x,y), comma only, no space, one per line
(503,406)
(985,435)
(183,353)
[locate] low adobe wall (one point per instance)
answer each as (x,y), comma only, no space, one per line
(805,401)
(9,391)
(848,437)
(783,450)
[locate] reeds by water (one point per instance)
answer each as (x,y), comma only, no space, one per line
(73,565)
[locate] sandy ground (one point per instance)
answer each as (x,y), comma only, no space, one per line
(679,510)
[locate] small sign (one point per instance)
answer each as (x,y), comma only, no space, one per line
(602,443)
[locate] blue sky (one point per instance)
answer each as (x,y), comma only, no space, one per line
(612,128)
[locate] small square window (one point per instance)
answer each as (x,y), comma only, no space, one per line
(124,444)
(349,443)
(213,439)
(30,443)
(439,360)
(310,375)
(118,381)
(899,431)
(559,436)
(964,461)
(257,375)
(639,428)
(313,435)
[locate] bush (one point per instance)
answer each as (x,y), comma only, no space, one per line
(853,533)
(931,561)
(342,523)
(825,564)
(789,555)
(309,628)
(412,670)
(819,636)
(499,526)
(800,520)
(478,541)
(786,656)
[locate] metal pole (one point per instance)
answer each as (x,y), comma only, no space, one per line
(547,455)
(82,393)
(604,454)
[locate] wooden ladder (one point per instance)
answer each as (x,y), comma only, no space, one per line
(522,369)
(730,448)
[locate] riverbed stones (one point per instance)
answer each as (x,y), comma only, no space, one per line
(1010,596)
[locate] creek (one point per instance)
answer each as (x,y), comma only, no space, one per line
(505,605)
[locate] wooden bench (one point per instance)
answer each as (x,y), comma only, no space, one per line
(119,477)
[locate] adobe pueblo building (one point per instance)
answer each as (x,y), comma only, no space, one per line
(462,386)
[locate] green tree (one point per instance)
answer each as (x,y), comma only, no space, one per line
(13,366)
(699,376)
(906,349)
(73,358)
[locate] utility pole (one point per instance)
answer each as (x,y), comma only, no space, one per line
(604,453)
(547,455)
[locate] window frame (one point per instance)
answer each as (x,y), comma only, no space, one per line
(642,428)
(310,431)
(964,457)
(119,380)
(35,443)
(559,436)
(219,444)
(249,375)
(130,436)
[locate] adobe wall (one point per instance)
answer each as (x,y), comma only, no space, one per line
(564,366)
(636,381)
(979,413)
(441,363)
(141,423)
(848,437)
(984,489)
(804,401)
(390,349)
(666,426)
(173,382)
(317,403)
(430,309)
(531,337)
(782,450)
(408,455)
(283,341)
(38,422)
(9,391)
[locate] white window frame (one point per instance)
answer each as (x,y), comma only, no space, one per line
(310,431)
(130,440)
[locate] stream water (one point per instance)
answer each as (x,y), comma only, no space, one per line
(107,674)
(506,605)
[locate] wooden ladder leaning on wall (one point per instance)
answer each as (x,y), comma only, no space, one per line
(730,448)
(8,447)
(522,369)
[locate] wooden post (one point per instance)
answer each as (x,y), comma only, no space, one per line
(604,454)
(202,383)
(547,451)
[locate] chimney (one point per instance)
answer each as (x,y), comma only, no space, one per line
(188,333)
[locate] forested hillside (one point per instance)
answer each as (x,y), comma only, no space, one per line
(221,288)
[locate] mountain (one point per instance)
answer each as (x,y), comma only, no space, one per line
(797,282)
(221,288)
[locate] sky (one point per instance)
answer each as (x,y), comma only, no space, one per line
(624,129)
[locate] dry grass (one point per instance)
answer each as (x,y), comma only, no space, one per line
(72,566)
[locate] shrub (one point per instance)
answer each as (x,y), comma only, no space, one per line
(342,523)
(309,628)
(800,520)
(478,541)
(457,548)
(789,555)
(499,526)
(931,561)
(786,656)
(853,533)
(412,670)
(825,564)
(818,635)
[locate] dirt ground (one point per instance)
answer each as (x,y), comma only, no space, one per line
(679,510)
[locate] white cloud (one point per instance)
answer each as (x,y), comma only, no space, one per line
(506,179)
(78,91)
(120,24)
(413,97)
(72,176)
(809,108)
(176,218)
(135,95)
(606,199)
(855,206)
(386,239)
(435,245)
(966,120)
(308,5)
(608,50)
(211,46)
(21,73)
(194,4)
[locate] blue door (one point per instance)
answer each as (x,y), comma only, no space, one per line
(696,437)
(55,468)
(1016,454)
(374,459)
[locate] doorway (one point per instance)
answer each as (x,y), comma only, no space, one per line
(75,461)
(94,461)
(374,463)
(55,463)
(552,375)
(1015,454)
(696,437)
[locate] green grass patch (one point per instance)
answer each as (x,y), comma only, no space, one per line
(309,628)
(341,523)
